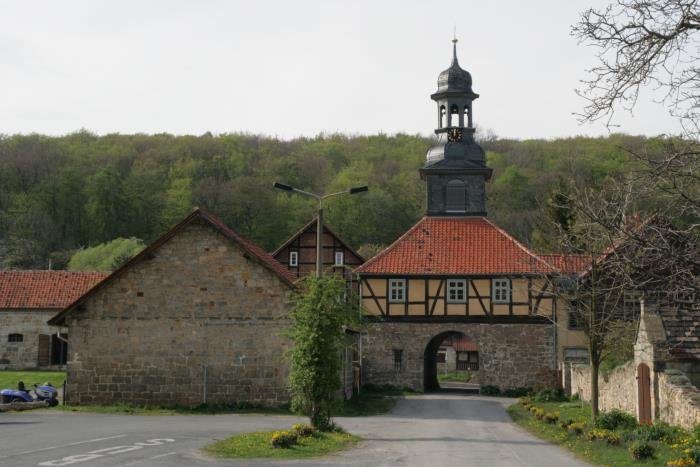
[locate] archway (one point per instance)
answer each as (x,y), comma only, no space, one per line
(643,394)
(453,354)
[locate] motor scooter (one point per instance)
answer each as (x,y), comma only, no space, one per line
(45,392)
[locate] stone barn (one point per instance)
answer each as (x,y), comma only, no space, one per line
(197,317)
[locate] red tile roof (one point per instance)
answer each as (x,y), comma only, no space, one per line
(567,263)
(452,245)
(44,289)
(463,345)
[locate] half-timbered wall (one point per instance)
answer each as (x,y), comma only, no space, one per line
(428,297)
(305,244)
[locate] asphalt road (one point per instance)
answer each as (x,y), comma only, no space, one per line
(430,430)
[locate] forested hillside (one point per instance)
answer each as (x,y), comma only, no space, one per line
(61,194)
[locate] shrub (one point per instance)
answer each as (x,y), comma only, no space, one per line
(576,397)
(576,427)
(490,390)
(682,462)
(551,417)
(283,439)
(660,432)
(696,432)
(303,430)
(615,419)
(694,453)
(517,392)
(642,450)
(525,401)
(538,413)
(550,395)
(608,436)
(565,423)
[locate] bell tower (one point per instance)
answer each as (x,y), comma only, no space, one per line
(455,169)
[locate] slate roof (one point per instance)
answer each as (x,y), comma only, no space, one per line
(455,245)
(44,289)
(682,326)
(251,251)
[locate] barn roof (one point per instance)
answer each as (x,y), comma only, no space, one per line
(455,245)
(44,289)
(251,251)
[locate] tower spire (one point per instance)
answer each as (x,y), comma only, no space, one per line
(454,48)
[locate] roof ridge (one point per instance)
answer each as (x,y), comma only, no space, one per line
(325,227)
(385,251)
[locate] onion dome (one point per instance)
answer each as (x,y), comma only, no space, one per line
(455,79)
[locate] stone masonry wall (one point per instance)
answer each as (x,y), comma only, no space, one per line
(679,400)
(618,390)
(196,321)
(510,355)
(29,323)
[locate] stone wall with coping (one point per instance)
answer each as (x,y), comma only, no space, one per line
(197,321)
(614,390)
(510,355)
(30,323)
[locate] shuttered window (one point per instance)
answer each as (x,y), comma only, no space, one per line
(456,197)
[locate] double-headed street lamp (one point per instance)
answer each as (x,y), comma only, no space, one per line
(319,221)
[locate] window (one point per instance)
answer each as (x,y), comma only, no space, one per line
(576,354)
(574,320)
(456,196)
(501,290)
(294,258)
(397,290)
(440,357)
(15,338)
(339,258)
(398,359)
(456,291)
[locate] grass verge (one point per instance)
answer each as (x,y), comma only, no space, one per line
(257,446)
(454,376)
(10,378)
(596,452)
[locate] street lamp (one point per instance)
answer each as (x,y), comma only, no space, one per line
(319,220)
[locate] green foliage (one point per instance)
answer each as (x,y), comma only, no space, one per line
(659,431)
(490,390)
(284,439)
(318,319)
(615,419)
(641,450)
(517,392)
(550,395)
(63,193)
(107,256)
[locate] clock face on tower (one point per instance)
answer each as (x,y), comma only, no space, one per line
(454,135)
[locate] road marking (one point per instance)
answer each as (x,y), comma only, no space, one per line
(63,446)
(68,460)
(163,455)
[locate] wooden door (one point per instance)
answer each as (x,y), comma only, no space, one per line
(644,394)
(44,354)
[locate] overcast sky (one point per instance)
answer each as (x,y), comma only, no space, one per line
(291,68)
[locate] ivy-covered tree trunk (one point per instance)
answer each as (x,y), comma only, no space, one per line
(318,319)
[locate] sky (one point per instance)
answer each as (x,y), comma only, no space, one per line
(294,68)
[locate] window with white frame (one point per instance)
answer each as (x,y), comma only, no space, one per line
(456,290)
(501,290)
(339,258)
(397,290)
(294,258)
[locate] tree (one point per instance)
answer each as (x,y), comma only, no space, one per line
(107,256)
(319,318)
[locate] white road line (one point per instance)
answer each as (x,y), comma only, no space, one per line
(63,446)
(163,455)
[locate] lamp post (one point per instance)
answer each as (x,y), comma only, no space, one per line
(319,220)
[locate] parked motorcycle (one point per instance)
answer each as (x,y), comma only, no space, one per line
(45,392)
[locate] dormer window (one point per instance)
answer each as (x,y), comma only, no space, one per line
(339,258)
(294,258)
(456,196)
